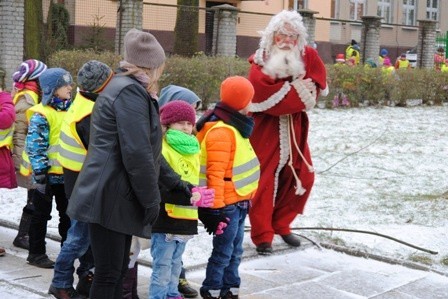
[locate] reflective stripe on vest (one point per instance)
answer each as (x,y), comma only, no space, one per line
(6,137)
(54,119)
(31,93)
(72,152)
(187,166)
(246,167)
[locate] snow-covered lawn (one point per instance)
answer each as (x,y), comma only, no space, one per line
(377,169)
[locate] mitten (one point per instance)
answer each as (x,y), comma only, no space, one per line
(221,227)
(304,90)
(202,197)
(41,182)
(151,215)
(211,218)
(184,187)
(40,178)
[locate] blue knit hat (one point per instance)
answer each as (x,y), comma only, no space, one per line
(174,92)
(51,80)
(384,52)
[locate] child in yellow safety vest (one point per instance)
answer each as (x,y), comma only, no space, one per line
(40,161)
(230,166)
(178,216)
(26,92)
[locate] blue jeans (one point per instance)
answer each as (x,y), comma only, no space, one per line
(73,248)
(166,267)
(222,267)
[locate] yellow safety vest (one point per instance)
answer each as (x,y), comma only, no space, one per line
(403,64)
(54,119)
(444,68)
(31,93)
(6,137)
(72,152)
(349,54)
(188,168)
(246,167)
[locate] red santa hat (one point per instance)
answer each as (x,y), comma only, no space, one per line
(277,23)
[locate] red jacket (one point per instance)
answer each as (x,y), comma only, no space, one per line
(7,118)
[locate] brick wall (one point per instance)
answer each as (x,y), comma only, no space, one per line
(11,38)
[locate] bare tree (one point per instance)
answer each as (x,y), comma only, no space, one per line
(33,36)
(187,26)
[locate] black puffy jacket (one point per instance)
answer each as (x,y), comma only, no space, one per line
(118,180)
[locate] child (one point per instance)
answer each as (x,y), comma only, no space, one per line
(92,78)
(7,171)
(230,166)
(26,92)
(40,160)
(7,118)
(177,220)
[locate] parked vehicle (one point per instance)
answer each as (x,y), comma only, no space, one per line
(411,55)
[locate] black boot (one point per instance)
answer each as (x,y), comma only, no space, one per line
(22,240)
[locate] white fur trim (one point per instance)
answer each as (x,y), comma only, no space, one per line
(284,151)
(272,100)
(325,92)
(305,94)
(258,57)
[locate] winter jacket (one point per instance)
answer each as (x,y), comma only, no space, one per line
(165,223)
(41,140)
(22,102)
(118,181)
(220,147)
(7,117)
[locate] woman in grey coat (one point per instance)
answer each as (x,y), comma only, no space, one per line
(117,189)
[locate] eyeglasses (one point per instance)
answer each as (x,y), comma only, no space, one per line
(285,36)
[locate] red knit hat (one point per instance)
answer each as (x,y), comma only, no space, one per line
(237,92)
(177,111)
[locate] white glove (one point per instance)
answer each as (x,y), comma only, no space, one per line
(307,92)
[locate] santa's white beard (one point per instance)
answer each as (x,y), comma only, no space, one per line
(284,63)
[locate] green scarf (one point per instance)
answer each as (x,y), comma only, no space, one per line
(181,142)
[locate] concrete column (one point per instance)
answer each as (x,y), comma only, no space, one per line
(224,30)
(310,24)
(12,22)
(370,38)
(426,43)
(130,15)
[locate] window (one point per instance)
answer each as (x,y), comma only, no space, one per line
(384,10)
(334,13)
(408,12)
(432,10)
(356,9)
(300,4)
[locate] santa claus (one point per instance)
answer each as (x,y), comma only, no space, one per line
(287,76)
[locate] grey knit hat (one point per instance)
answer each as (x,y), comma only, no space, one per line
(93,76)
(142,49)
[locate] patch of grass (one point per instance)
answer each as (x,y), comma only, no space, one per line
(422,259)
(444,260)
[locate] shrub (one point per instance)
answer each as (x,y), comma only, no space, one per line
(370,86)
(72,60)
(202,74)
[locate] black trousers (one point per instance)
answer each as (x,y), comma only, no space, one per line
(42,213)
(111,254)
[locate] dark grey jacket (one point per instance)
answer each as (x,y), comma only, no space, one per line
(118,181)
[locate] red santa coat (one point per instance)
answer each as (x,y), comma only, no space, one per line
(280,116)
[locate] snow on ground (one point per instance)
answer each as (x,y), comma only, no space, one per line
(377,169)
